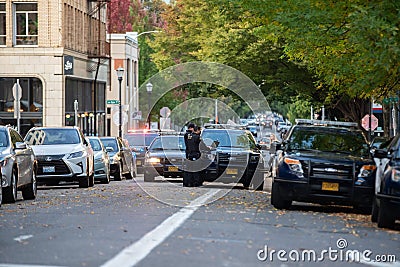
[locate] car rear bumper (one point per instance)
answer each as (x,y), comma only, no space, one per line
(346,195)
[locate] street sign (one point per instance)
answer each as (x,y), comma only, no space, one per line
(112,102)
(393,99)
(365,122)
(165,112)
(116,118)
(137,115)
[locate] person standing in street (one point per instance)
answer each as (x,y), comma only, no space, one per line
(191,176)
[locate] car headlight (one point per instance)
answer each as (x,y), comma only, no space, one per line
(395,175)
(366,170)
(75,155)
(294,165)
(153,160)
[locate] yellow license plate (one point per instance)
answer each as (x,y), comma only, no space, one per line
(231,171)
(172,169)
(138,162)
(330,186)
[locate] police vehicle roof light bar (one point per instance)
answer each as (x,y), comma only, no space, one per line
(327,123)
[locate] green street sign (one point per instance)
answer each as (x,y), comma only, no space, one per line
(393,99)
(112,102)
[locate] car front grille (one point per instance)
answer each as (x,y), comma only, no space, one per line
(60,167)
(50,157)
(318,170)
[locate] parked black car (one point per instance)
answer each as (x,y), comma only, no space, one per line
(386,205)
(236,158)
(139,141)
(165,157)
(323,162)
(121,159)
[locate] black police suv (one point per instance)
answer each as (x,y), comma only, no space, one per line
(165,157)
(236,157)
(386,205)
(324,162)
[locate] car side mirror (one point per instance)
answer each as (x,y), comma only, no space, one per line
(20,145)
(380,153)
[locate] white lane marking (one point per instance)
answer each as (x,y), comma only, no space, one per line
(22,238)
(136,252)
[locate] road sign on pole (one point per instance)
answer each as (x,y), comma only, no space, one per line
(112,102)
(365,122)
(17,94)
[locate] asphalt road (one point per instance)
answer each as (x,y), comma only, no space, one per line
(132,223)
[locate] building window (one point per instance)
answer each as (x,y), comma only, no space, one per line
(2,24)
(26,24)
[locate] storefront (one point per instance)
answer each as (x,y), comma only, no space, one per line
(31,103)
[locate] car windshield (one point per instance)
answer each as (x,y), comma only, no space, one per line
(110,142)
(3,139)
(95,144)
(328,140)
(52,136)
(140,139)
(229,138)
(168,143)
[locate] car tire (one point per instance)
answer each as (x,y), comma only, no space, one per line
(385,217)
(148,177)
(375,210)
(30,191)
(118,173)
(257,182)
(277,199)
(91,180)
(84,182)
(10,192)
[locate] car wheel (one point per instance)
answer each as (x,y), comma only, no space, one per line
(118,173)
(91,180)
(30,191)
(375,210)
(10,192)
(385,217)
(148,177)
(257,182)
(129,175)
(277,199)
(84,182)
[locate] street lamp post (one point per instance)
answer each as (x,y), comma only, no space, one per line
(120,74)
(149,88)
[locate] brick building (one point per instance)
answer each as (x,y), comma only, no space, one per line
(57,52)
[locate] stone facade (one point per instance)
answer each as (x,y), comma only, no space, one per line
(64,28)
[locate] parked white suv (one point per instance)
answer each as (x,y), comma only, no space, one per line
(63,154)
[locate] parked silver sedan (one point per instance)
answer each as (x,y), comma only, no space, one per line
(18,166)
(101,160)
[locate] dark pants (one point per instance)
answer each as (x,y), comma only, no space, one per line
(191,179)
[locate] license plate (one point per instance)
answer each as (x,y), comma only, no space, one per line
(138,162)
(172,168)
(330,186)
(49,169)
(231,171)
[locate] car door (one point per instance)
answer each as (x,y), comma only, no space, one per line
(24,157)
(125,153)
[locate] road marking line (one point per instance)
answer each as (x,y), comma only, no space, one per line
(136,252)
